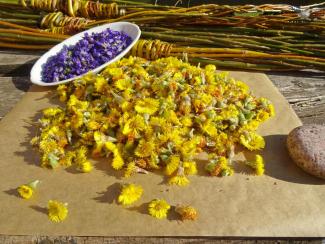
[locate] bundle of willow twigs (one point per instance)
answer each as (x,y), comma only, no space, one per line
(266,37)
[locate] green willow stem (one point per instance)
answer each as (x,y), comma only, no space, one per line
(20,21)
(201,33)
(37,39)
(19,15)
(212,41)
(255,31)
(17,2)
(176,38)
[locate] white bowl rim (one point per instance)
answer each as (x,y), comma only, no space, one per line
(53,51)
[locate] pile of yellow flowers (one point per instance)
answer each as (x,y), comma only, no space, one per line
(145,115)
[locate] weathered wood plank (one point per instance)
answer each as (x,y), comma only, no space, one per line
(305,91)
(144,240)
(11,91)
(14,63)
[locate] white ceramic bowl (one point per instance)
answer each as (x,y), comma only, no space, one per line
(131,29)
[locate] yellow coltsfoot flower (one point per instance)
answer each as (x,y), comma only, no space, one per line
(50,112)
(179,180)
(257,165)
(147,106)
(117,162)
(252,141)
(34,141)
(57,211)
(219,167)
(172,164)
(158,208)
(27,191)
(85,167)
(187,212)
(145,148)
(190,168)
(129,194)
(132,168)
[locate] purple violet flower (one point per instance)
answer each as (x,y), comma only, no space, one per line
(88,53)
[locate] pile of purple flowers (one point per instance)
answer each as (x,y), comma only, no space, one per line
(87,54)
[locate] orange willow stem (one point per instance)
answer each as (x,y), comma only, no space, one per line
(42,34)
(245,54)
(24,28)
(211,50)
(4,23)
(23,46)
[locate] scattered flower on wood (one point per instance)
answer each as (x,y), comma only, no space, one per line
(187,212)
(129,194)
(27,191)
(57,211)
(158,208)
(257,165)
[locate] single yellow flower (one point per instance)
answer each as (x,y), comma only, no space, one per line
(187,212)
(57,211)
(190,168)
(81,155)
(145,148)
(68,159)
(210,128)
(179,180)
(229,112)
(210,68)
(129,194)
(271,110)
(86,167)
(77,120)
(252,141)
(158,208)
(27,191)
(110,146)
(134,125)
(147,106)
(257,165)
(62,92)
(116,73)
(100,83)
(93,125)
(186,121)
(172,117)
(34,141)
(172,164)
(51,112)
(262,116)
(122,84)
(130,170)
(117,162)
(243,86)
(219,167)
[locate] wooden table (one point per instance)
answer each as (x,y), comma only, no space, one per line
(305,91)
